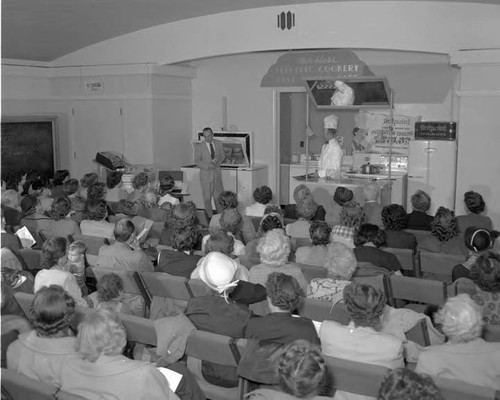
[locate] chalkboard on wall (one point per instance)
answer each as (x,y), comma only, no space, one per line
(29,143)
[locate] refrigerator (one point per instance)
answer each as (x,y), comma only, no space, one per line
(432,167)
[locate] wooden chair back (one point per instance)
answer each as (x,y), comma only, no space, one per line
(93,243)
(491,333)
(32,258)
(312,271)
(452,389)
(438,265)
(217,349)
(165,285)
(16,386)
(406,258)
(297,242)
(419,235)
(355,377)
(25,300)
(319,310)
(419,333)
(417,290)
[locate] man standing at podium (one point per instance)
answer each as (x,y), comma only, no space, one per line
(208,156)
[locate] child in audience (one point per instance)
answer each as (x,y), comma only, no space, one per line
(77,257)
(109,294)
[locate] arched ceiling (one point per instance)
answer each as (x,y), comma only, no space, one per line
(44,30)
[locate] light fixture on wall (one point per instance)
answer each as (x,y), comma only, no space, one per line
(286,20)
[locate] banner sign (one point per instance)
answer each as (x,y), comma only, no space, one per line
(294,68)
(373,133)
(435,130)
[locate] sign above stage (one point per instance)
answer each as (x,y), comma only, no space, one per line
(294,68)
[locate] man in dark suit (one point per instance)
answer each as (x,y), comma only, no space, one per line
(208,156)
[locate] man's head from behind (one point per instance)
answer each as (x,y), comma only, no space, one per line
(124,229)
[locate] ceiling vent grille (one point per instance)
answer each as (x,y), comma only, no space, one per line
(286,20)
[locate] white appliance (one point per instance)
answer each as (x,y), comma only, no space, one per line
(432,167)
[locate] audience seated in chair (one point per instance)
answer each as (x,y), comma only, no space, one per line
(341,197)
(418,219)
(404,383)
(319,232)
(395,220)
(372,208)
(217,313)
(87,180)
(62,225)
(148,207)
(140,184)
(484,286)
(109,294)
(77,203)
(368,239)
(11,205)
(340,264)
(182,215)
(33,218)
(41,353)
(306,209)
(302,374)
(101,369)
(444,234)
(167,184)
(299,193)
(8,239)
(96,223)
(465,356)
(274,249)
(60,177)
(229,201)
(262,197)
(351,217)
(114,193)
(181,261)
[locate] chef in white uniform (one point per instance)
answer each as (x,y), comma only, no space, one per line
(330,161)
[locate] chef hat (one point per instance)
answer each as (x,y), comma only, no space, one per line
(331,121)
(218,271)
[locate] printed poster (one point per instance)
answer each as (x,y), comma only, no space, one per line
(373,133)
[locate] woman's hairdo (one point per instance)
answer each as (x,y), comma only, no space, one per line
(406,384)
(60,208)
(88,179)
(320,233)
(263,194)
(60,176)
(474,202)
(301,192)
(302,369)
(183,214)
(284,291)
(220,241)
(273,208)
(270,222)
(352,215)
(150,198)
(340,261)
(123,230)
(370,233)
(365,304)
(52,250)
(274,248)
(485,272)
(96,191)
(421,201)
(113,178)
(97,209)
(100,333)
(444,226)
(70,186)
(228,199)
(28,204)
(140,180)
(185,238)
(230,220)
(479,239)
(394,217)
(461,318)
(167,183)
(343,195)
(109,287)
(51,310)
(307,208)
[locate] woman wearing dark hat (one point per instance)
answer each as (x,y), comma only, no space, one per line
(340,198)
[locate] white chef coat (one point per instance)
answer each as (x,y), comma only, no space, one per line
(330,161)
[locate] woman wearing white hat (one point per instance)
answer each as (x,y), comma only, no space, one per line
(330,161)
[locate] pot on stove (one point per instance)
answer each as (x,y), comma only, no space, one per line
(370,169)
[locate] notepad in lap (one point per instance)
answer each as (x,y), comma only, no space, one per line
(173,378)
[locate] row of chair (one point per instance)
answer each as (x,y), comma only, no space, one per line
(349,376)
